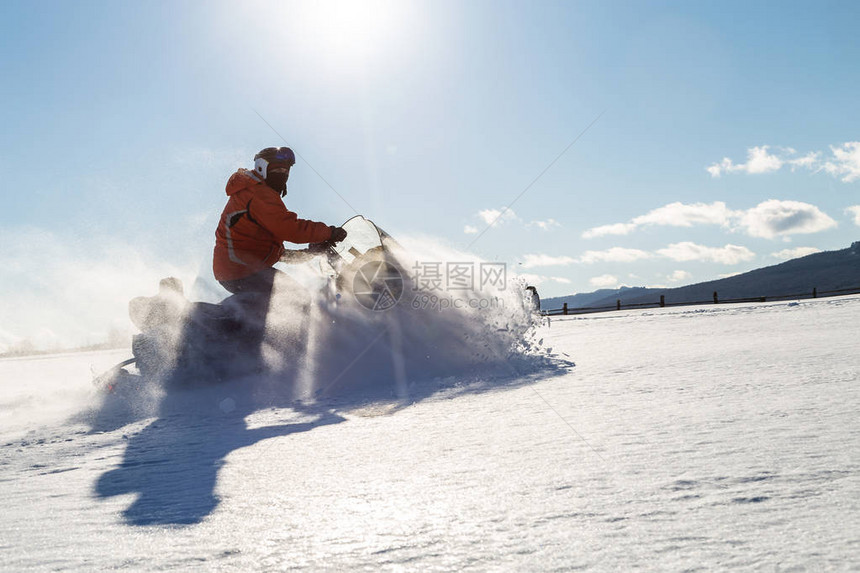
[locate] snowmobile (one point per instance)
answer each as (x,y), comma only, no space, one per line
(185,343)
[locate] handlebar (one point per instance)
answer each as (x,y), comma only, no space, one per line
(321,247)
(295,256)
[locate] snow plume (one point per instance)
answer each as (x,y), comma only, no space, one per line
(443,325)
(451,336)
(61,292)
(36,391)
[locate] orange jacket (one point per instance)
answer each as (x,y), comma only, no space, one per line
(253,227)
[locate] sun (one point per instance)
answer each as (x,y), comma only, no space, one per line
(351,30)
(338,39)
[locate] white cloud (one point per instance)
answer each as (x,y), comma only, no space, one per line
(775,217)
(495,217)
(845,162)
(854,211)
(532,261)
(604,281)
(538,280)
(768,219)
(616,229)
(545,225)
(687,251)
(674,215)
(787,254)
(809,161)
(759,160)
(717,168)
(682,215)
(614,255)
(679,276)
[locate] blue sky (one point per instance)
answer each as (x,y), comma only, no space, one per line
(726,140)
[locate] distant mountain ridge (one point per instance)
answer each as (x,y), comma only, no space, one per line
(830,270)
(589,299)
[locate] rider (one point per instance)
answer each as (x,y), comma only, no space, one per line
(255,223)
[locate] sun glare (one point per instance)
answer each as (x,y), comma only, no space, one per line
(352,31)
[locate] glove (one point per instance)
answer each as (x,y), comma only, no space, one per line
(337,234)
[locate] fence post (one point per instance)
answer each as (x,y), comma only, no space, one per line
(618,304)
(716,300)
(814,292)
(662,300)
(564,309)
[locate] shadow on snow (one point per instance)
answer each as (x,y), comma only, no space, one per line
(172,464)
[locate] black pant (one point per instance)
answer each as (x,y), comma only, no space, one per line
(256,294)
(261,282)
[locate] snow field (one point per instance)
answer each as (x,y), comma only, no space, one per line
(704,438)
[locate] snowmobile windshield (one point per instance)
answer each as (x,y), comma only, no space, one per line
(361,236)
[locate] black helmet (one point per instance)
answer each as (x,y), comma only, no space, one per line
(275,157)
